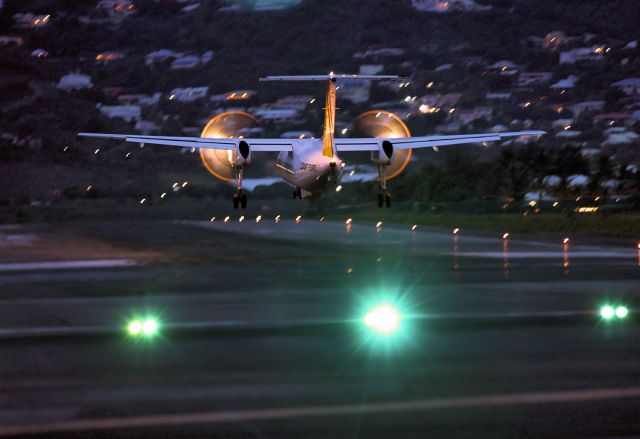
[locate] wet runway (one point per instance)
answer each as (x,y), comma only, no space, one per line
(262,334)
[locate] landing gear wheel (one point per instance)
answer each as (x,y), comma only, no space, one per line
(297,193)
(380,200)
(236,201)
(243,201)
(387,199)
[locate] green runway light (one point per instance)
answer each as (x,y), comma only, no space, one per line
(147,327)
(622,312)
(383,319)
(150,327)
(607,312)
(134,327)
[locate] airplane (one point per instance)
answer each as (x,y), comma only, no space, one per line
(312,166)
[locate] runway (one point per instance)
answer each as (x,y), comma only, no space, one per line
(262,334)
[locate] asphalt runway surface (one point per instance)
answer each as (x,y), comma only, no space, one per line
(262,332)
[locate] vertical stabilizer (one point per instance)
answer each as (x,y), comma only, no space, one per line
(329,119)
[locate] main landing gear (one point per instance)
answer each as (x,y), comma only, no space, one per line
(239,199)
(384,197)
(297,193)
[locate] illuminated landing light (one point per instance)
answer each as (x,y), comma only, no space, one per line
(135,327)
(565,241)
(348,222)
(150,327)
(383,319)
(213,218)
(96,151)
(456,231)
(241,218)
(226,219)
(505,236)
(338,188)
(259,218)
(607,312)
(322,219)
(622,312)
(379,225)
(414,227)
(298,219)
(185,183)
(164,194)
(143,200)
(277,218)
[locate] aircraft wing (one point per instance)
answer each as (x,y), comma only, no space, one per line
(256,145)
(374,144)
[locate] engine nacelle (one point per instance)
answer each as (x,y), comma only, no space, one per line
(243,154)
(384,154)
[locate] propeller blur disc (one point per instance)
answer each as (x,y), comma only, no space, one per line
(380,123)
(225,125)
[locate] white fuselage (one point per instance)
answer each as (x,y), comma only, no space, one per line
(309,169)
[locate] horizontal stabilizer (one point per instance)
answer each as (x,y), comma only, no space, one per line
(332,76)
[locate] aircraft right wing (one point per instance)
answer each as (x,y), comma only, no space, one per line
(374,144)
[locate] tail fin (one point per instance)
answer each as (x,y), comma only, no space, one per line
(330,106)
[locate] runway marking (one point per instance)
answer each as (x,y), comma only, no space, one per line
(67,265)
(270,414)
(547,255)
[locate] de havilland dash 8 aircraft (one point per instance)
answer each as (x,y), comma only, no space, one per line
(311,166)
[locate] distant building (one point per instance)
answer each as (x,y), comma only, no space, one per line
(161,55)
(128,113)
(565,84)
(297,102)
(586,107)
(39,53)
(630,86)
(374,52)
(74,81)
(278,115)
(139,99)
(504,67)
(11,41)
(554,40)
(443,6)
(533,79)
(354,90)
(188,94)
(31,21)
(467,116)
(185,62)
(582,54)
(147,127)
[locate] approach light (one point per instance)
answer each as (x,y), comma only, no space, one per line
(135,327)
(607,312)
(150,327)
(622,312)
(383,319)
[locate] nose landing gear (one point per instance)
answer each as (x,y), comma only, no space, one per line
(297,193)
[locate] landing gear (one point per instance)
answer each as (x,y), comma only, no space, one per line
(297,193)
(239,199)
(384,197)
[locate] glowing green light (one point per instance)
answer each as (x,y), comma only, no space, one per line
(622,312)
(607,312)
(150,327)
(383,319)
(134,327)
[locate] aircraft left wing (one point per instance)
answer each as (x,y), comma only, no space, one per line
(256,145)
(374,144)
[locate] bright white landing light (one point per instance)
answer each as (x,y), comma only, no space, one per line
(383,319)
